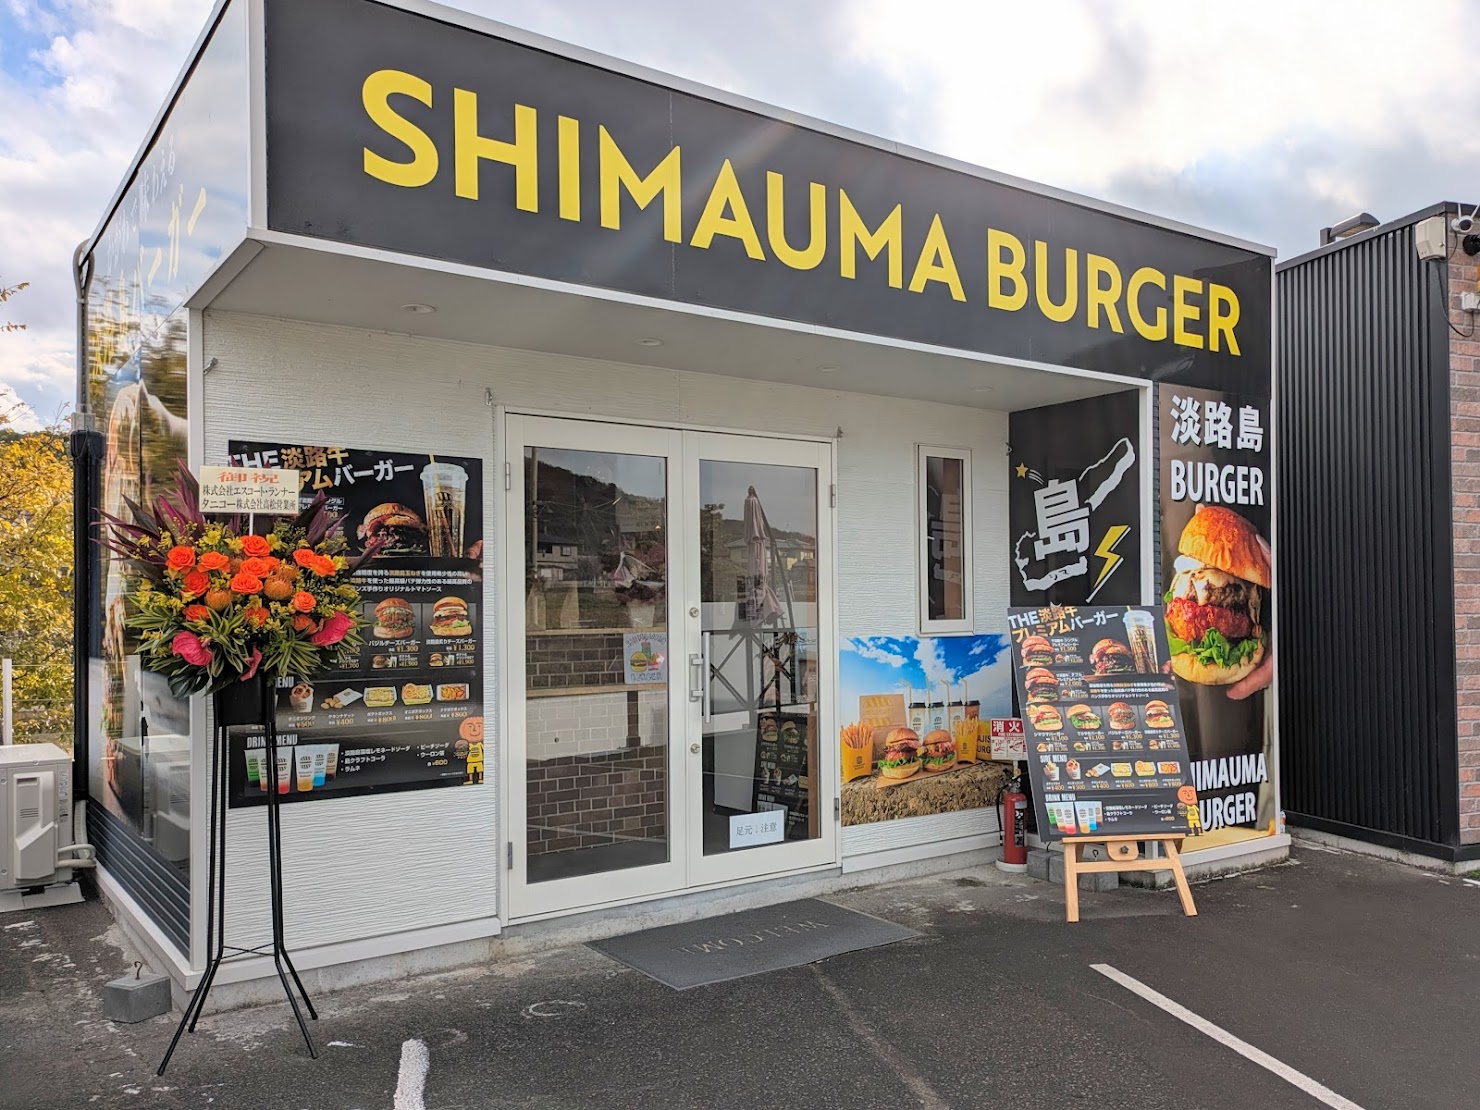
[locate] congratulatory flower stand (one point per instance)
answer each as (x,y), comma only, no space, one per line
(224,610)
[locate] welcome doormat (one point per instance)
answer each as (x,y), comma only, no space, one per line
(749,942)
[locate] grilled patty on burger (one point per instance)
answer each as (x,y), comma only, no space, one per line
(1037,652)
(1042,684)
(1112,657)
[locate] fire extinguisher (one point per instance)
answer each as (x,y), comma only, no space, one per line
(1012,813)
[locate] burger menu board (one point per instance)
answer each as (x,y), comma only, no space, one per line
(1107,754)
(407,712)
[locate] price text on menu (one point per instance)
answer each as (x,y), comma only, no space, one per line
(1106,751)
(407,711)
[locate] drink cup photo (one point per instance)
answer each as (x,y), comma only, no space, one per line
(1140,629)
(320,764)
(304,759)
(254,771)
(331,760)
(445,488)
(284,767)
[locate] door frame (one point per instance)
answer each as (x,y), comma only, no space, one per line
(770,859)
(520,900)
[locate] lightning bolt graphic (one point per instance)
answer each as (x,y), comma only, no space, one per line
(1113,535)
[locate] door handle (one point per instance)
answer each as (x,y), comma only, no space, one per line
(696,678)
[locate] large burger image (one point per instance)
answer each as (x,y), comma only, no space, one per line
(1042,684)
(394,619)
(450,617)
(1213,623)
(1037,652)
(399,530)
(901,754)
(940,750)
(1045,718)
(1112,657)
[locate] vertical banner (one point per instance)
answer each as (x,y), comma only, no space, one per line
(1216,573)
(1074,502)
(408,711)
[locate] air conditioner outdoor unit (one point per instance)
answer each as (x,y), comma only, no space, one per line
(37,855)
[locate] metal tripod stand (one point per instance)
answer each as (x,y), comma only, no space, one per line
(216,944)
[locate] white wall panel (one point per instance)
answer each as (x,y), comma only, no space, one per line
(372,865)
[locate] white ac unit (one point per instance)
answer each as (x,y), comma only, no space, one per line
(36,849)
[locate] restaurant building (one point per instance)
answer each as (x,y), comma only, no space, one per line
(708,443)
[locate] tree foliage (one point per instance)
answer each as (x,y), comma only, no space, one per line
(36,579)
(6,292)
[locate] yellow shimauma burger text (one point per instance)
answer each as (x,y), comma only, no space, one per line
(1088,287)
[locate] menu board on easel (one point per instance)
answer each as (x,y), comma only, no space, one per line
(1107,753)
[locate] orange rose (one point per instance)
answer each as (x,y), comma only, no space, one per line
(180,558)
(214,560)
(255,546)
(304,557)
(304,601)
(304,623)
(244,583)
(323,566)
(196,612)
(218,599)
(257,567)
(272,561)
(276,589)
(257,615)
(197,582)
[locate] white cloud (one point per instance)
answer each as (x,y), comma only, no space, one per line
(870,650)
(927,653)
(15,414)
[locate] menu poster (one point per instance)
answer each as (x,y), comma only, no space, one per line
(782,776)
(1107,754)
(406,712)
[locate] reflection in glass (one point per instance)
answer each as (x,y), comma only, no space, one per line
(758,571)
(596,687)
(945,538)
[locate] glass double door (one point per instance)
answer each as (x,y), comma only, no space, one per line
(670,660)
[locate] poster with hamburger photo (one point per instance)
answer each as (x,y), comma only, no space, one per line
(1216,574)
(1107,753)
(915,741)
(407,713)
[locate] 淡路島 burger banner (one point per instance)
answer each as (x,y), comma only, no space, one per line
(1216,503)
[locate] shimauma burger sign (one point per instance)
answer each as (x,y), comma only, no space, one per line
(429,141)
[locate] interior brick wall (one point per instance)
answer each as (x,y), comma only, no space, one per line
(580,801)
(1464,419)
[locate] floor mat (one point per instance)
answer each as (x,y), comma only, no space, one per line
(733,945)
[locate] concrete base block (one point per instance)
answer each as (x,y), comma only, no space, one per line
(58,894)
(131,999)
(1048,864)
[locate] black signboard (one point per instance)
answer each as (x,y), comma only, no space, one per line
(407,712)
(396,131)
(1107,754)
(1074,502)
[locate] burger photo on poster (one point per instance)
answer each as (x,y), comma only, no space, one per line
(1214,629)
(394,619)
(1037,652)
(901,754)
(398,529)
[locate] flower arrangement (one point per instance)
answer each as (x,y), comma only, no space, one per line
(218,604)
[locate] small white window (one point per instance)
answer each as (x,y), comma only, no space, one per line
(944,538)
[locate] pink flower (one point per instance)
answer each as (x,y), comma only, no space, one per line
(192,649)
(334,629)
(253,662)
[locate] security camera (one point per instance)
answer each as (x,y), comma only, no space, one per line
(1462,225)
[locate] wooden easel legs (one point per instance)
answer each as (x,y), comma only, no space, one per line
(1125,855)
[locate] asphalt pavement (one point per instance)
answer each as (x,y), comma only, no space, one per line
(1357,978)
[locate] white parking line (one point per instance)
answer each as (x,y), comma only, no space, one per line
(1222,1036)
(412,1082)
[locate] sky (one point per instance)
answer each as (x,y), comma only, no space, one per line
(1266,119)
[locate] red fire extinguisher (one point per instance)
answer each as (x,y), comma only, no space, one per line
(1012,812)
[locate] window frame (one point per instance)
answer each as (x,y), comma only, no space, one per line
(929,626)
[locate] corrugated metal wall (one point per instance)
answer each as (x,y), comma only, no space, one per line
(1366,612)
